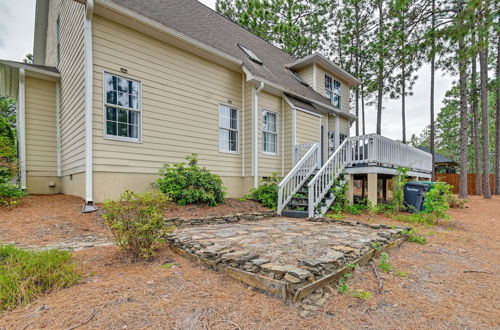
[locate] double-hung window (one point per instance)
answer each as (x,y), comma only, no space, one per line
(270,132)
(122,108)
(228,129)
(332,91)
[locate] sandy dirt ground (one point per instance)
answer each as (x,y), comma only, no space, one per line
(452,283)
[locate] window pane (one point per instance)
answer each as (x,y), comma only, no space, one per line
(122,130)
(122,116)
(110,113)
(111,97)
(123,85)
(110,82)
(328,95)
(133,131)
(272,143)
(272,122)
(123,99)
(133,102)
(111,128)
(133,88)
(336,86)
(133,117)
(224,119)
(223,139)
(234,119)
(233,140)
(336,101)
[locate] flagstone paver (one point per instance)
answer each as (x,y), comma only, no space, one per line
(295,251)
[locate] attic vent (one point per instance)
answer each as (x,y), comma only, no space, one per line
(299,78)
(250,54)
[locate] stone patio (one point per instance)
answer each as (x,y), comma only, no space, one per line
(283,256)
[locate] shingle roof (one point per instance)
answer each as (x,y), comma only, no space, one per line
(197,21)
(49,69)
(437,157)
(303,104)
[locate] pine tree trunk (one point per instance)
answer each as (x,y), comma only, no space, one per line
(475,127)
(497,124)
(485,116)
(433,59)
(462,193)
(403,105)
(380,74)
(363,109)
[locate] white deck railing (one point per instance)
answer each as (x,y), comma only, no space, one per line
(300,150)
(324,179)
(298,175)
(367,149)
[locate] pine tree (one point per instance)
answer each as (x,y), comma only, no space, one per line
(299,27)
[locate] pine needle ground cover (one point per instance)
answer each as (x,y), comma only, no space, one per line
(24,275)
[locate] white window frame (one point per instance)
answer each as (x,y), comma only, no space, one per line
(237,130)
(264,111)
(332,90)
(138,110)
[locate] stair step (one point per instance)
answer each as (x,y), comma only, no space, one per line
(295,214)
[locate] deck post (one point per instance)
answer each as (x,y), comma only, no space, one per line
(349,194)
(372,188)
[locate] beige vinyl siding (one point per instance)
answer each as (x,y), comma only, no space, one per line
(344,125)
(344,88)
(247,122)
(40,127)
(181,93)
(307,74)
(288,138)
(308,128)
(72,16)
(269,164)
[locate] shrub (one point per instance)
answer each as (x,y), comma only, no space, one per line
(414,236)
(24,275)
(10,194)
(454,202)
(189,183)
(267,192)
(137,224)
(436,201)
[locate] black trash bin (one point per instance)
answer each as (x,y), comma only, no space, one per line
(414,196)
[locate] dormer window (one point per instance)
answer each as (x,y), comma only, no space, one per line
(299,78)
(251,55)
(332,91)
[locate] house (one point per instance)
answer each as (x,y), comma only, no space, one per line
(442,164)
(118,88)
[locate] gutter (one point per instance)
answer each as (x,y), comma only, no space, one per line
(21,127)
(255,125)
(89,200)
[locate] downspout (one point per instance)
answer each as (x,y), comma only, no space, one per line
(21,127)
(282,131)
(294,135)
(255,125)
(89,200)
(242,120)
(58,128)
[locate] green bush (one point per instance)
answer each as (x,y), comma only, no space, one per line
(189,183)
(24,275)
(267,192)
(137,223)
(10,194)
(436,201)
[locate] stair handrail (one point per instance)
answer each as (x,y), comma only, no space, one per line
(298,176)
(323,180)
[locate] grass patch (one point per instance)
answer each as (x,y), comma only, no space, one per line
(24,275)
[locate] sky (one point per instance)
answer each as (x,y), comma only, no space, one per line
(17,19)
